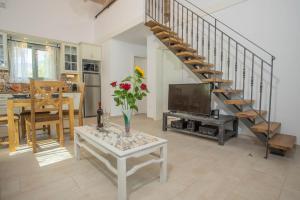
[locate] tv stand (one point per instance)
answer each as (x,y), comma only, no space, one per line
(223,133)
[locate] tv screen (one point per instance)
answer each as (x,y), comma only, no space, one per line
(190,98)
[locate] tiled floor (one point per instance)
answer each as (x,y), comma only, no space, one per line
(198,169)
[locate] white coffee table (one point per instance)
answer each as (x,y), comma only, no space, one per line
(122,148)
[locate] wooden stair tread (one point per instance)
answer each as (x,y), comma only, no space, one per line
(189,54)
(153,23)
(251,114)
(238,102)
(172,40)
(226,91)
(157,29)
(206,70)
(197,62)
(182,47)
(282,141)
(263,127)
(163,34)
(216,80)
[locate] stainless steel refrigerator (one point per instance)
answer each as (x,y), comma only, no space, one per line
(92,95)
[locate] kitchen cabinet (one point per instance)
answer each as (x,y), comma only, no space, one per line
(3,51)
(90,52)
(69,58)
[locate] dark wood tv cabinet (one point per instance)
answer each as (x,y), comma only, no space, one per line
(221,123)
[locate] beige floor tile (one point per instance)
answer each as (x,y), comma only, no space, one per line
(197,169)
(293,179)
(289,194)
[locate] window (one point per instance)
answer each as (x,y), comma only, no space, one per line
(31,61)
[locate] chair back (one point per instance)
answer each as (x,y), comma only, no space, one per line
(46,96)
(81,87)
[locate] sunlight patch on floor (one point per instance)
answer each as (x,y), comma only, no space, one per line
(52,156)
(49,152)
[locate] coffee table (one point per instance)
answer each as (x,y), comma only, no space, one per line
(110,141)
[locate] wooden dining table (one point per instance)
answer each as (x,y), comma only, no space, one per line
(13,136)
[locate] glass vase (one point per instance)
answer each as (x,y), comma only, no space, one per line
(127,120)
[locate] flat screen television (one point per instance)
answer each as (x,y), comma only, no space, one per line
(190,98)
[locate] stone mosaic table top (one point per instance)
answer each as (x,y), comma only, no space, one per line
(113,136)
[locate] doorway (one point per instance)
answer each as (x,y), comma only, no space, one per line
(142,62)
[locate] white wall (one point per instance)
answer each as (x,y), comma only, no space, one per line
(118,63)
(122,15)
(275,26)
(67,20)
(164,68)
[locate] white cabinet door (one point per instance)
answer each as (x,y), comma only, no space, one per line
(3,51)
(90,52)
(69,58)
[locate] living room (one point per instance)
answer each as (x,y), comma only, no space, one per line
(156,99)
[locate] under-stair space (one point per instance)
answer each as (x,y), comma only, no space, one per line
(240,71)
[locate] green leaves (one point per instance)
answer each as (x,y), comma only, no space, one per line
(128,78)
(128,98)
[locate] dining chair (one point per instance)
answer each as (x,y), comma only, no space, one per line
(46,109)
(78,111)
(4,121)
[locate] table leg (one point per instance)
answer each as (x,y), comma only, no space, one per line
(122,176)
(165,122)
(11,126)
(163,164)
(221,135)
(236,127)
(76,147)
(71,118)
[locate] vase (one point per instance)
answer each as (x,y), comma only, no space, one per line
(127,121)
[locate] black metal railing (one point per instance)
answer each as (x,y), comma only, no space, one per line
(241,60)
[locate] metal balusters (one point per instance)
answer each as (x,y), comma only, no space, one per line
(197,35)
(159,13)
(252,77)
(155,8)
(228,59)
(182,22)
(215,48)
(244,73)
(152,8)
(173,15)
(177,18)
(146,10)
(202,43)
(222,51)
(208,44)
(192,32)
(270,106)
(236,65)
(261,85)
(187,26)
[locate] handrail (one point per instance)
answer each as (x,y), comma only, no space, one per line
(106,7)
(261,48)
(227,35)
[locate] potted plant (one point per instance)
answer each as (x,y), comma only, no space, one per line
(128,92)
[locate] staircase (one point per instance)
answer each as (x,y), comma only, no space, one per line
(240,71)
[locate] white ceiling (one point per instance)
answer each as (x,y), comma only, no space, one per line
(136,35)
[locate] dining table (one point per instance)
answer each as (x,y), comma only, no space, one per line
(12,103)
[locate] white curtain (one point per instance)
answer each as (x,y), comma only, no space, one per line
(36,61)
(47,63)
(20,62)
